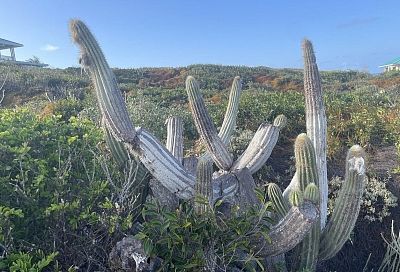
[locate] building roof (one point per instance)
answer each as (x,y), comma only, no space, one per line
(6,44)
(392,62)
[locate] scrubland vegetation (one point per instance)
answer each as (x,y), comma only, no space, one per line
(65,203)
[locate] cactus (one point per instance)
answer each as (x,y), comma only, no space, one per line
(203,186)
(306,171)
(214,144)
(316,245)
(296,198)
(229,123)
(316,122)
(281,206)
(260,147)
(312,193)
(175,137)
(347,205)
(234,182)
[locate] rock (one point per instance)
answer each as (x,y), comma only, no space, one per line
(128,255)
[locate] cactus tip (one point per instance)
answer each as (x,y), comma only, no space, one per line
(312,193)
(296,198)
(280,121)
(356,151)
(301,140)
(75,26)
(307,43)
(356,159)
(189,79)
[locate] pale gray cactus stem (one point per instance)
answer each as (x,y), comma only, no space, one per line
(175,137)
(261,146)
(316,127)
(157,159)
(290,231)
(316,122)
(205,127)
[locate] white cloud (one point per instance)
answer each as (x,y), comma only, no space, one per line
(49,48)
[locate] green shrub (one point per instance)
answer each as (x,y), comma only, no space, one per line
(184,239)
(55,193)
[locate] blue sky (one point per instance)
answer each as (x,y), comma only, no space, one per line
(348,34)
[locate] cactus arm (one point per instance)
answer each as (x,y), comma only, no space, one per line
(296,198)
(281,206)
(316,122)
(175,137)
(122,157)
(117,149)
(347,205)
(306,169)
(260,147)
(285,235)
(229,123)
(109,97)
(162,165)
(203,187)
(215,146)
(157,159)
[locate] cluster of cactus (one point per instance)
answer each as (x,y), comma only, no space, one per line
(301,210)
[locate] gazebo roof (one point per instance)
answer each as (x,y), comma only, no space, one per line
(6,44)
(392,62)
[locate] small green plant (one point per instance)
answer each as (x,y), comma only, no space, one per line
(28,262)
(182,237)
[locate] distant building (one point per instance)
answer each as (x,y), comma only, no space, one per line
(9,45)
(393,65)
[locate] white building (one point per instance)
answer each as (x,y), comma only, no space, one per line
(10,58)
(393,65)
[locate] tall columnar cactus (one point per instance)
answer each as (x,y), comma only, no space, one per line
(316,122)
(234,182)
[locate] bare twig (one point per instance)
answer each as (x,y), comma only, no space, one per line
(2,87)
